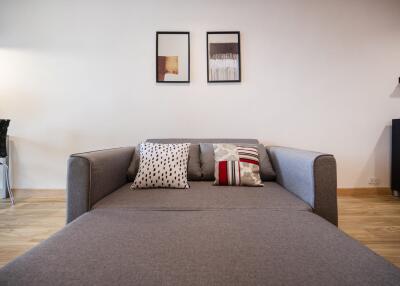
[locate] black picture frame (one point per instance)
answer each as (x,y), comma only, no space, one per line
(157,62)
(239,57)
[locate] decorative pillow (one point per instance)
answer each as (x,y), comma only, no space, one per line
(207,160)
(194,168)
(237,165)
(162,166)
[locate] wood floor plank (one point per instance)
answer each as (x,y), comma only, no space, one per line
(372,219)
(35,217)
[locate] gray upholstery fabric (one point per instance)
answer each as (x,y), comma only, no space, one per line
(78,187)
(207,235)
(236,247)
(203,140)
(309,175)
(325,187)
(267,172)
(313,183)
(134,165)
(194,168)
(207,160)
(93,175)
(204,196)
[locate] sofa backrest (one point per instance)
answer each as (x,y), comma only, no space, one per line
(202,140)
(195,164)
(201,156)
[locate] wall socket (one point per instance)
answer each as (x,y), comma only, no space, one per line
(373,181)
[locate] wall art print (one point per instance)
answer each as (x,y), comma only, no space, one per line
(173,57)
(223,57)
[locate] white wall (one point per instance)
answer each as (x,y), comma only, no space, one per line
(80,75)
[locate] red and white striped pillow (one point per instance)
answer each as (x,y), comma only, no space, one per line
(236,165)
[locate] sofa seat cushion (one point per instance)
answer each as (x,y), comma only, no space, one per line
(204,196)
(236,247)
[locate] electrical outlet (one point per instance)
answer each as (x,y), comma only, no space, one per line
(373,181)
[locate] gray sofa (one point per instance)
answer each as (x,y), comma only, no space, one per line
(281,234)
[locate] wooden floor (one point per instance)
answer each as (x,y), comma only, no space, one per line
(374,220)
(35,216)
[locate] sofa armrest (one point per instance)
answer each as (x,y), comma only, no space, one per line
(93,175)
(309,175)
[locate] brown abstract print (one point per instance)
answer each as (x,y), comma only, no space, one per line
(166,65)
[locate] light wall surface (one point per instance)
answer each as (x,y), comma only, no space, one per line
(80,75)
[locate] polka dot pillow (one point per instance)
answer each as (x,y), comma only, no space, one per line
(162,166)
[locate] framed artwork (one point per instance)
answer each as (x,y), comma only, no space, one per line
(223,57)
(173,57)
